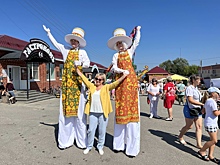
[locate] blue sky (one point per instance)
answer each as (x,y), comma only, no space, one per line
(188,29)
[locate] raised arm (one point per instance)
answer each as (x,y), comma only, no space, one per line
(59,46)
(84,78)
(136,40)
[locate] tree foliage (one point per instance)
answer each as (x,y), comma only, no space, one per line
(179,66)
(134,66)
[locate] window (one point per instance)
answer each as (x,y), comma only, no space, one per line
(10,73)
(23,73)
(60,71)
(50,70)
(33,70)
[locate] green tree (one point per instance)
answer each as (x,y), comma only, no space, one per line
(179,66)
(186,71)
(167,65)
(193,69)
(134,66)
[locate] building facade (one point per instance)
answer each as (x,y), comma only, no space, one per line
(209,72)
(157,73)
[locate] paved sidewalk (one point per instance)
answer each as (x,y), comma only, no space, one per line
(28,135)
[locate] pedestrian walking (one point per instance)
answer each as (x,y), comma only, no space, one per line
(169,97)
(154,92)
(180,91)
(127,112)
(211,125)
(143,87)
(72,120)
(193,98)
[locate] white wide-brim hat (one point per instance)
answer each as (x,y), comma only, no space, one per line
(119,35)
(77,34)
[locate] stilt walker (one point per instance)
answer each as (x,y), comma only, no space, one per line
(127,111)
(72,119)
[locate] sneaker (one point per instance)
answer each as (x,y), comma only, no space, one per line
(169,119)
(86,151)
(183,142)
(101,152)
(151,116)
(157,117)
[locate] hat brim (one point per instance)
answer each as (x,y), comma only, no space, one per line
(112,41)
(213,89)
(82,42)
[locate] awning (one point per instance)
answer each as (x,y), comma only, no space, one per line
(11,55)
(178,77)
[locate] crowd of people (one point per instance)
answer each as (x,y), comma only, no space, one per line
(75,105)
(81,98)
(195,107)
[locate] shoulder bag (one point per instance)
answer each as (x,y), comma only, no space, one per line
(194,111)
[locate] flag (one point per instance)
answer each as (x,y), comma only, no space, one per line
(132,36)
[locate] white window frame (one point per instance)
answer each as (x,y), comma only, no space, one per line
(51,77)
(31,71)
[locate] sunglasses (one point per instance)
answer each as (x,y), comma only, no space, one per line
(98,79)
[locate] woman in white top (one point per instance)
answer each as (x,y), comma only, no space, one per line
(193,98)
(153,94)
(211,125)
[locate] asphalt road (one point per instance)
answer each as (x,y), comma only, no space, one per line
(28,136)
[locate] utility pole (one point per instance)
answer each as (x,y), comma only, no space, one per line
(201,68)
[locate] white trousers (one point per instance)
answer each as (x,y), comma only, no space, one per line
(153,107)
(127,137)
(73,128)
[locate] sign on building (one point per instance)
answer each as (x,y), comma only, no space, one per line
(37,51)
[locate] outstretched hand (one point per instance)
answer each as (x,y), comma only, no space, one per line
(77,63)
(46,29)
(138,27)
(126,72)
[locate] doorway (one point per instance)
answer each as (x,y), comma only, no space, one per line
(17,74)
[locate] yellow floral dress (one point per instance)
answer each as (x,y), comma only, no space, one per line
(71,85)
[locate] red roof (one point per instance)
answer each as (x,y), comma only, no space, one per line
(17,44)
(157,70)
(12,43)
